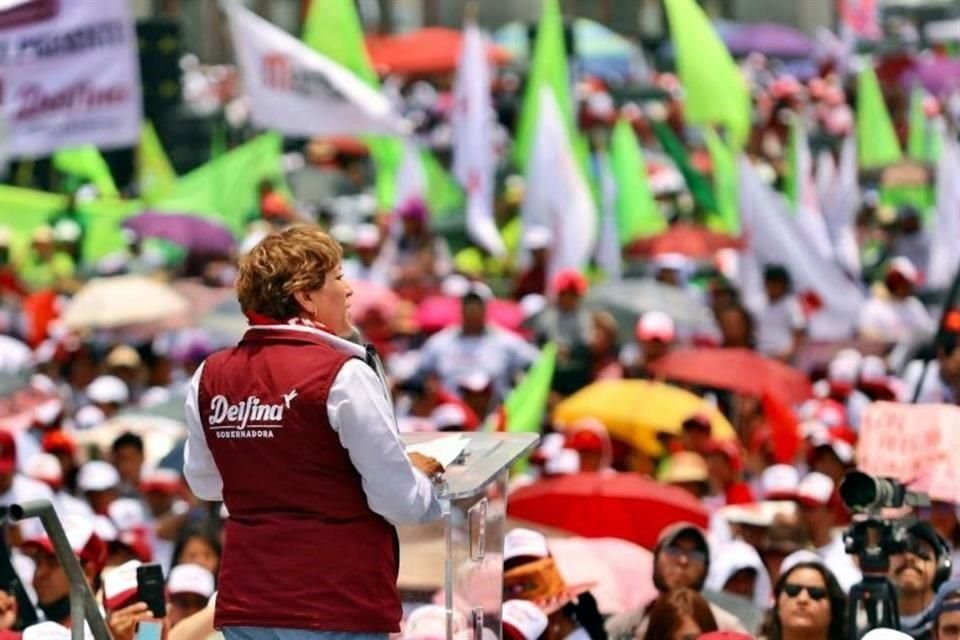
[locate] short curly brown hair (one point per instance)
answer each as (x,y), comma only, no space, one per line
(295,259)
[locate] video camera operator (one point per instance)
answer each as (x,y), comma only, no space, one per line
(916,575)
(904,561)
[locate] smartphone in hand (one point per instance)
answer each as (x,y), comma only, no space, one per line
(150,589)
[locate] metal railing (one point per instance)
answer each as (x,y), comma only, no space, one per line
(83,606)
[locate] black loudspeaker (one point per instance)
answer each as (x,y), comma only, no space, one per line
(160,47)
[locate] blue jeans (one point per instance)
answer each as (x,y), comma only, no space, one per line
(271,633)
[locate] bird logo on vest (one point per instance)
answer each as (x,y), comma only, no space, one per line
(249,418)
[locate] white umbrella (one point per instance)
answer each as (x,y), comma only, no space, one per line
(160,435)
(121,301)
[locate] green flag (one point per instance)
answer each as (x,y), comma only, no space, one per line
(697,183)
(103,233)
(218,140)
(85,162)
(25,210)
(444,195)
(917,136)
(155,174)
(548,67)
(527,402)
(726,218)
(333,29)
(877,141)
(226,188)
(637,211)
(715,91)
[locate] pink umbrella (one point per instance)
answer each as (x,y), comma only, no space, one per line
(370,296)
(622,571)
(439,312)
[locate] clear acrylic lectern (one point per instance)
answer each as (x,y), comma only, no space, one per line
(474,498)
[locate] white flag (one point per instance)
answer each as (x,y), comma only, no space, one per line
(69,76)
(474,160)
(825,173)
(609,254)
(557,197)
(945,233)
(296,91)
(774,236)
(841,201)
(808,203)
(411,177)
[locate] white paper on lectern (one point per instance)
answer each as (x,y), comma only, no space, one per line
(444,450)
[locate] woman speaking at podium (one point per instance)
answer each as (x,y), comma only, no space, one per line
(294,430)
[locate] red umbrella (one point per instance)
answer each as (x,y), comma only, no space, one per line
(439,312)
(686,239)
(430,50)
(779,386)
(739,370)
(607,505)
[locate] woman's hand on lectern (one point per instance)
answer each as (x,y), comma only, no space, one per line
(430,467)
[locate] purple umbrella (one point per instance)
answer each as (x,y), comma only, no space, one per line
(939,76)
(773,40)
(196,235)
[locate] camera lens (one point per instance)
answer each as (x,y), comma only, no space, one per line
(861,491)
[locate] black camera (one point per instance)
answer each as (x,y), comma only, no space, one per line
(873,539)
(862,492)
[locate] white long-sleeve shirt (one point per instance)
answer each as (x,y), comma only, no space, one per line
(360,413)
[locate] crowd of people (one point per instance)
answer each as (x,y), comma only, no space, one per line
(458,329)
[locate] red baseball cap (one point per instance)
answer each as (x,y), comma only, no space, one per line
(729,449)
(86,544)
(570,280)
(8,452)
(59,442)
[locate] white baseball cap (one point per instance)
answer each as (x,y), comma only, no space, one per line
(799,557)
(779,481)
(104,528)
(523,618)
(565,462)
(108,389)
(905,267)
(127,514)
(367,236)
(537,237)
(845,366)
(655,325)
(89,417)
(120,584)
(525,542)
(44,467)
(190,578)
(475,381)
(97,475)
(448,415)
(815,489)
(429,622)
(886,634)
(454,286)
(46,631)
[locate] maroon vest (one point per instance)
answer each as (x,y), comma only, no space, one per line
(303,549)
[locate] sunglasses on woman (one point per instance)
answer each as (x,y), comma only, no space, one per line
(815,593)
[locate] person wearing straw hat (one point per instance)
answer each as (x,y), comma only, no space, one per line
(531,574)
(293,429)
